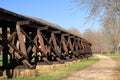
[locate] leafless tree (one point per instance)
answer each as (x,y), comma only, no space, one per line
(111,30)
(109,13)
(74,31)
(97,39)
(100,7)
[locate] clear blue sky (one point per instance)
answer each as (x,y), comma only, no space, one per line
(60,12)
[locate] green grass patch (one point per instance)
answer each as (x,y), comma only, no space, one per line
(0,60)
(58,74)
(114,56)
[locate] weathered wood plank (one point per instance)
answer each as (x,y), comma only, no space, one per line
(21,41)
(43,28)
(65,34)
(56,32)
(22,22)
(64,44)
(41,41)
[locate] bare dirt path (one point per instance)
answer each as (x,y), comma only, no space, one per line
(105,69)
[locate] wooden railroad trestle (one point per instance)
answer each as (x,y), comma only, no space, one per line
(26,41)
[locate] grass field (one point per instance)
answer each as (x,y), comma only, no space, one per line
(60,73)
(116,57)
(0,60)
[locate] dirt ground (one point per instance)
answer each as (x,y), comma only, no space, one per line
(105,69)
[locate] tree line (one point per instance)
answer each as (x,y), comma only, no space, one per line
(107,39)
(101,41)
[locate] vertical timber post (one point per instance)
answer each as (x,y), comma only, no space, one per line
(5,49)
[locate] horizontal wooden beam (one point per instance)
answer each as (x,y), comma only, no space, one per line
(23,22)
(77,38)
(56,32)
(43,28)
(65,34)
(72,36)
(38,26)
